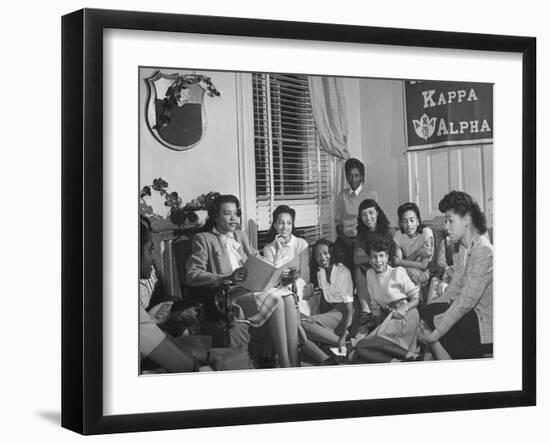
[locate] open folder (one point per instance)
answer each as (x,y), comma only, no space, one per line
(262,275)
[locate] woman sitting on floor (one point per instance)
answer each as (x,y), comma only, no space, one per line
(414,244)
(396,297)
(372,224)
(333,282)
(218,257)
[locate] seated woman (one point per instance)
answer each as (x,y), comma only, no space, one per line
(372,224)
(459,323)
(414,244)
(333,282)
(218,257)
(154,344)
(284,245)
(395,295)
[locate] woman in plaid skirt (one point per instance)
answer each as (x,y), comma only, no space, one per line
(218,257)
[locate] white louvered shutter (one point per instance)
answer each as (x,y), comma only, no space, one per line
(290,167)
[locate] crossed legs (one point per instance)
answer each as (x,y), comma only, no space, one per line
(283,328)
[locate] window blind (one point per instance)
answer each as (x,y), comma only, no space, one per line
(290,167)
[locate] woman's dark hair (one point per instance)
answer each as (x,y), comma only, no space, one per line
(144,229)
(379,244)
(352,163)
(313,265)
(462,204)
(282,209)
(214,209)
(382,222)
(410,207)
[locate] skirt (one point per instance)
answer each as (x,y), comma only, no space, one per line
(256,308)
(402,332)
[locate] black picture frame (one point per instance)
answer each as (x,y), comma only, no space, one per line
(82,218)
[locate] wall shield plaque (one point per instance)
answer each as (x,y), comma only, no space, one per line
(175,109)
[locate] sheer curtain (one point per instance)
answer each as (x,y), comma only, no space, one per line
(329,111)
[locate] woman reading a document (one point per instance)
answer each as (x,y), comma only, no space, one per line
(218,257)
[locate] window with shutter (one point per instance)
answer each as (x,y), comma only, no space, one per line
(290,167)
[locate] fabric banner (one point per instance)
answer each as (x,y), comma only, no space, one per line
(442,113)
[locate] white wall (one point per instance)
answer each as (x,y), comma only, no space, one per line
(436,172)
(31,171)
(383,142)
(211,165)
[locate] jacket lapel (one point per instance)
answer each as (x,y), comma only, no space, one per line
(222,258)
(240,239)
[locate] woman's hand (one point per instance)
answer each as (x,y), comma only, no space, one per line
(426,335)
(341,332)
(441,287)
(239,275)
(288,276)
(400,311)
(160,313)
(279,242)
(342,342)
(427,250)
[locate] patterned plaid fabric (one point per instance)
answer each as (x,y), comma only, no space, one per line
(266,303)
(471,288)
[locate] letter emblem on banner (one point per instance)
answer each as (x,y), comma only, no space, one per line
(424,127)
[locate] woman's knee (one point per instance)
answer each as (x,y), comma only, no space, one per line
(279,303)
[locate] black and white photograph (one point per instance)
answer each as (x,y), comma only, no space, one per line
(243,221)
(293,220)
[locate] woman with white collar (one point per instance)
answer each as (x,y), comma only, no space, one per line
(285,246)
(218,257)
(332,280)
